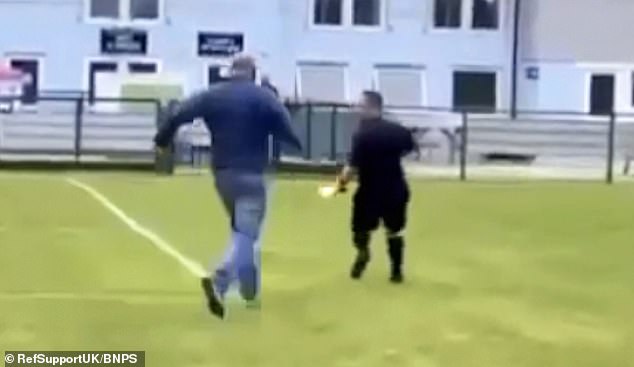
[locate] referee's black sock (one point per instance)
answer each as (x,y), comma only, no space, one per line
(396,244)
(362,243)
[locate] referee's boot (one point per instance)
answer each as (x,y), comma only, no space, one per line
(214,300)
(395,250)
(361,242)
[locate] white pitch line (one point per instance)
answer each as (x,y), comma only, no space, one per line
(124,298)
(192,266)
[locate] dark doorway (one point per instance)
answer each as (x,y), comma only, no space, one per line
(95,68)
(216,74)
(475,91)
(142,68)
(602,94)
(29,67)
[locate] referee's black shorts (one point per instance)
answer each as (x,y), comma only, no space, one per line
(389,207)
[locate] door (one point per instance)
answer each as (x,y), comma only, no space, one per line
(217,73)
(30,68)
(475,91)
(602,94)
(95,68)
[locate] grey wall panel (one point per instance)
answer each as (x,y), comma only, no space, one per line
(578,30)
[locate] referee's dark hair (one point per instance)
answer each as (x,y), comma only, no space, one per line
(374,99)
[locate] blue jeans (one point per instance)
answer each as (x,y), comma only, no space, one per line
(244,196)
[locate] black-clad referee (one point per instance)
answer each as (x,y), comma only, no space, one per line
(383,194)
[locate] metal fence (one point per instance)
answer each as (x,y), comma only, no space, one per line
(472,145)
(453,144)
(71,128)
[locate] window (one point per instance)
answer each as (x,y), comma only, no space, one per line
(447,13)
(218,73)
(322,82)
(94,69)
(104,9)
(142,67)
(144,9)
(475,90)
(348,13)
(124,10)
(632,88)
(328,12)
(366,12)
(400,86)
(31,88)
(602,94)
(485,14)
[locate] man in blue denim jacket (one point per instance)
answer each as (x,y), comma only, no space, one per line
(241,117)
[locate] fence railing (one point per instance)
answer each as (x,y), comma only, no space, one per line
(63,127)
(471,144)
(453,144)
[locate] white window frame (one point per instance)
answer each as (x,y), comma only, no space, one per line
(623,84)
(90,60)
(347,18)
(372,28)
(86,76)
(88,18)
(588,90)
(11,56)
(210,63)
(466,18)
(123,67)
(298,77)
(432,18)
(334,27)
(498,71)
(376,85)
(630,94)
(468,13)
(124,15)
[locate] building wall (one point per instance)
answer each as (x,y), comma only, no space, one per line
(408,38)
(58,40)
(277,32)
(560,87)
(66,41)
(569,40)
(578,30)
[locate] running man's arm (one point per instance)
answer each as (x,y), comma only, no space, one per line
(280,120)
(409,142)
(186,112)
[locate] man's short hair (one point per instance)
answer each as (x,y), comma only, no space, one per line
(374,99)
(243,66)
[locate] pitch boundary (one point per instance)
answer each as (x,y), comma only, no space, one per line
(128,298)
(161,244)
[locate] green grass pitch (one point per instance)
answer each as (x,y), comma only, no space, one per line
(499,274)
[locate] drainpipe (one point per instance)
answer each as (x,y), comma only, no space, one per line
(514,72)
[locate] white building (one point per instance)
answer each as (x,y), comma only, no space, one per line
(577,55)
(440,53)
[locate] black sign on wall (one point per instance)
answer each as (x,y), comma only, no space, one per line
(220,44)
(124,41)
(532,73)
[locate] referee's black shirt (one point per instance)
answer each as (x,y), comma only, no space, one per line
(377,150)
